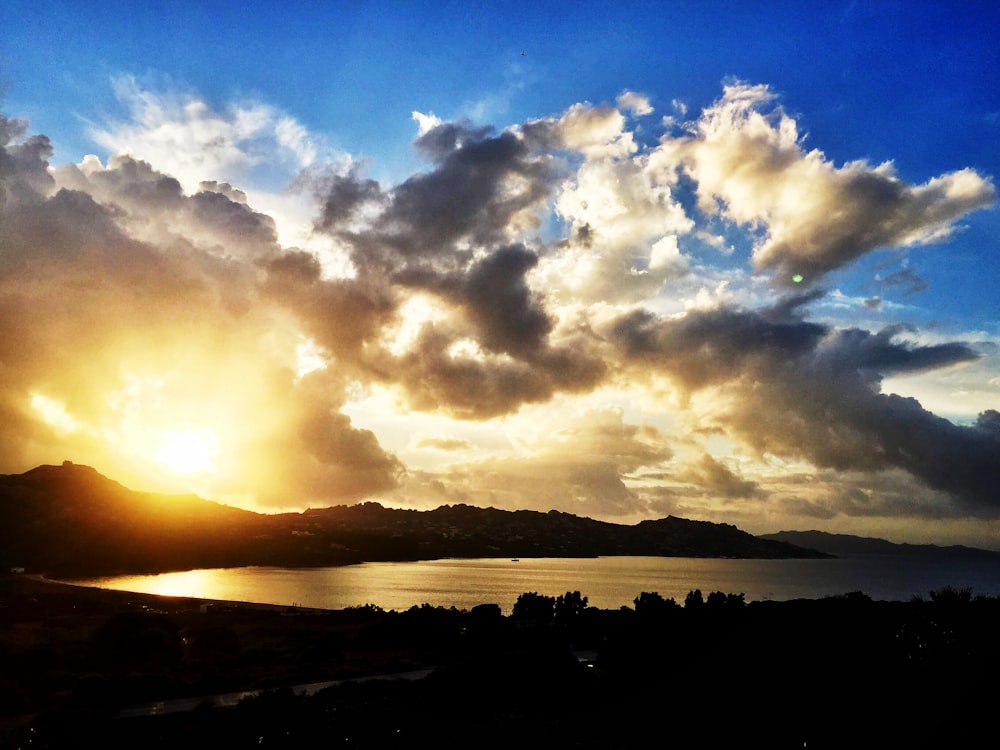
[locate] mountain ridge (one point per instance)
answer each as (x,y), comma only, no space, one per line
(846,545)
(72,520)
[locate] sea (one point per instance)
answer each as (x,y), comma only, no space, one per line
(607,582)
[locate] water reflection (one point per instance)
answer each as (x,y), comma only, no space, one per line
(608,582)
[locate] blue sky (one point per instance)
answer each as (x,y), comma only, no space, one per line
(910,82)
(684,163)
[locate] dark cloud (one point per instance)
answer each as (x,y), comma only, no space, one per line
(342,196)
(880,354)
(905,279)
(873,303)
(466,386)
(481,182)
(23,161)
(358,463)
(442,140)
(510,317)
(718,480)
(445,232)
(344,315)
(234,224)
(802,389)
(704,348)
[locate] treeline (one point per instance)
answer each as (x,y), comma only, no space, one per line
(709,671)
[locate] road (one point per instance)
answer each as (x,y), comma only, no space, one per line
(158,708)
(178,705)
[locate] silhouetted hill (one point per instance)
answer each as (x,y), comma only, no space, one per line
(846,545)
(71,520)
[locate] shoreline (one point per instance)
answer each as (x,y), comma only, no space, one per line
(191,600)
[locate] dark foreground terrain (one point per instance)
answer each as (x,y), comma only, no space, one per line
(715,671)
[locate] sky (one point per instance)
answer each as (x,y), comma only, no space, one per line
(735,262)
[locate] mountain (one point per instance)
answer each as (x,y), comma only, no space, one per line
(847,545)
(71,520)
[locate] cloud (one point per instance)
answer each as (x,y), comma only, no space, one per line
(715,478)
(484,189)
(637,104)
(185,134)
(748,160)
(800,389)
(551,263)
(578,467)
(151,206)
(132,311)
(906,279)
(444,444)
(23,161)
(623,216)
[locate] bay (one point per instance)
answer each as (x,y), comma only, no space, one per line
(608,582)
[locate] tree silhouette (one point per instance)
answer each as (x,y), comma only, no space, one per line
(569,606)
(534,607)
(693,600)
(950,596)
(651,604)
(719,600)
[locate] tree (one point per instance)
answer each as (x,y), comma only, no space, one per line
(718,599)
(534,607)
(951,596)
(484,620)
(569,606)
(651,604)
(693,599)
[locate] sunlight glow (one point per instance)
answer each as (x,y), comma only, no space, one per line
(54,413)
(414,313)
(188,451)
(308,358)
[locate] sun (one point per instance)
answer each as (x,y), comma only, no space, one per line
(188,451)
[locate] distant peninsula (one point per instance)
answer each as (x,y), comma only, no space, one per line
(848,545)
(70,520)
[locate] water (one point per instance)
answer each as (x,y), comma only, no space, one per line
(608,582)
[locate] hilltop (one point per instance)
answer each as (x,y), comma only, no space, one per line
(71,520)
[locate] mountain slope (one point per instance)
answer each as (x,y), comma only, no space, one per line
(71,520)
(847,545)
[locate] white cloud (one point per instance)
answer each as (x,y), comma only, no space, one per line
(425,123)
(249,143)
(747,157)
(622,215)
(637,104)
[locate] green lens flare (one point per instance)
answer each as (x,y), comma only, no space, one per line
(797,278)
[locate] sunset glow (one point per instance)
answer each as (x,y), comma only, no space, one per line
(691,275)
(188,451)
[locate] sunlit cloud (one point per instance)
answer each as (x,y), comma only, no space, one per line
(748,159)
(558,314)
